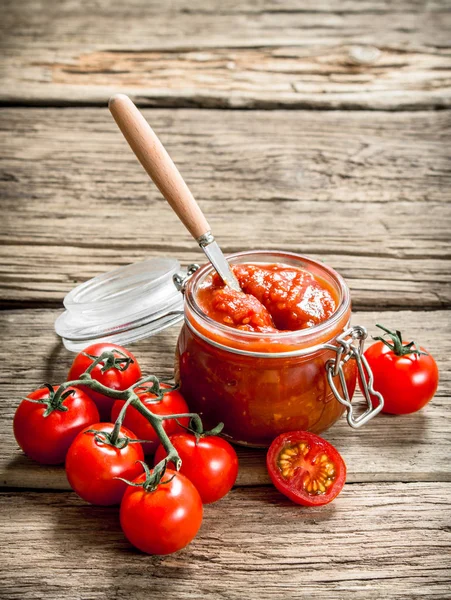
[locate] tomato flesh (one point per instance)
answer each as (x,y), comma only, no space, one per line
(306,468)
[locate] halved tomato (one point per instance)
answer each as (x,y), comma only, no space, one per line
(306,468)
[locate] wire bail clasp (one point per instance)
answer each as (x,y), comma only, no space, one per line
(350,347)
(180,279)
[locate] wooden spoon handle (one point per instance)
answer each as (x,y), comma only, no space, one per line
(158,164)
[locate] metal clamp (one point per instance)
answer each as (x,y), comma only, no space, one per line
(350,347)
(180,280)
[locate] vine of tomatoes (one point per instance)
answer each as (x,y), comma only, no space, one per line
(161,507)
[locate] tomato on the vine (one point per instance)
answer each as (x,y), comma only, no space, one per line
(93,464)
(404,373)
(306,468)
(120,376)
(45,430)
(172,403)
(209,462)
(164,520)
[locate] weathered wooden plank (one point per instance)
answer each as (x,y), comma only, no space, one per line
(350,188)
(374,541)
(409,448)
(268,78)
(246,54)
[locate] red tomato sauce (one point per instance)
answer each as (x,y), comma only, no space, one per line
(232,361)
(275,298)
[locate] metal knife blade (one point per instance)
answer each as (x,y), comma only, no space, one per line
(214,254)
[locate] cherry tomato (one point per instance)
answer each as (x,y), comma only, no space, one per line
(165,520)
(172,403)
(210,463)
(114,378)
(92,465)
(306,468)
(406,379)
(46,439)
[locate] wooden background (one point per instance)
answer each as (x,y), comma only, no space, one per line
(316,127)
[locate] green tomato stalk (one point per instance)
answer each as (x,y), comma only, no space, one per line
(111,360)
(396,345)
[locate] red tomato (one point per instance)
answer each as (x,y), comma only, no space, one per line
(210,463)
(46,439)
(114,378)
(165,520)
(92,466)
(406,382)
(306,468)
(172,403)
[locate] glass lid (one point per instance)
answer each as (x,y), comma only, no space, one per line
(122,306)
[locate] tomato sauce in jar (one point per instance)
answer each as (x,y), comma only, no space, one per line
(255,359)
(274,298)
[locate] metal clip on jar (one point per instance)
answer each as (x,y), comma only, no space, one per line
(258,384)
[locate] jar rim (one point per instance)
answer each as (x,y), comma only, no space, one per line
(301,335)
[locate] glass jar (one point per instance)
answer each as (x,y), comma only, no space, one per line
(260,385)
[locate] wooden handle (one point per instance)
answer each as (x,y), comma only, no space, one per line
(158,164)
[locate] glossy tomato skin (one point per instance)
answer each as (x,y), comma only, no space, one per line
(112,378)
(210,463)
(407,382)
(47,439)
(91,466)
(172,403)
(165,520)
(292,486)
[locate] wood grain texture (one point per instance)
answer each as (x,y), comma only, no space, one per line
(250,54)
(411,448)
(375,541)
(369,193)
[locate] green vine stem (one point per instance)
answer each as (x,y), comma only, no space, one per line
(52,402)
(132,399)
(396,345)
(196,428)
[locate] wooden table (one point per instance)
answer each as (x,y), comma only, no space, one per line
(317,127)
